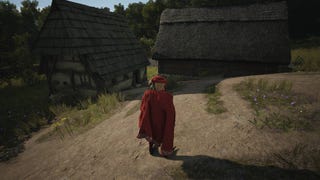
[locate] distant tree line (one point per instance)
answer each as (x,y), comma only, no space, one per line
(19,28)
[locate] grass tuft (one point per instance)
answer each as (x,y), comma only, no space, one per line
(214,105)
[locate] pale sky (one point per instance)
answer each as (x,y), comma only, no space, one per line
(93,3)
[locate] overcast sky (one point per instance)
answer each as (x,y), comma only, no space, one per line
(93,3)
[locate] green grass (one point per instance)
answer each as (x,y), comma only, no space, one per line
(214,104)
(306,59)
(25,108)
(86,114)
(276,106)
(151,71)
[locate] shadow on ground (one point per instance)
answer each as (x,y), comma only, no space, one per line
(206,167)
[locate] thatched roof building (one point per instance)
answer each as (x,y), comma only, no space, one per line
(85,40)
(223,39)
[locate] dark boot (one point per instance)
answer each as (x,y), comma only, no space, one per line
(151,148)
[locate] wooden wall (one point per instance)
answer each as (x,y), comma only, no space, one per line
(69,75)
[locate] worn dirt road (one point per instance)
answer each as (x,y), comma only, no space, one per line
(111,151)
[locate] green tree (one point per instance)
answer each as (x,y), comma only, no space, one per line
(119,9)
(106,9)
(10,24)
(23,59)
(42,16)
(151,17)
(135,18)
(177,3)
(30,16)
(18,31)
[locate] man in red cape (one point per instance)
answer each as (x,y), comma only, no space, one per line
(157,117)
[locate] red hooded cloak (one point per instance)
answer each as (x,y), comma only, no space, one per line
(157,119)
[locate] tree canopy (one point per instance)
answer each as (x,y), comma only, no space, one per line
(19,29)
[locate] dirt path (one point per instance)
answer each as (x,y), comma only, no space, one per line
(111,151)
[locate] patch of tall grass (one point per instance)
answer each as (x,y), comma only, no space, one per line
(304,59)
(151,71)
(71,119)
(276,106)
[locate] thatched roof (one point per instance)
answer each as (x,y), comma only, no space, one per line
(254,12)
(255,33)
(100,37)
